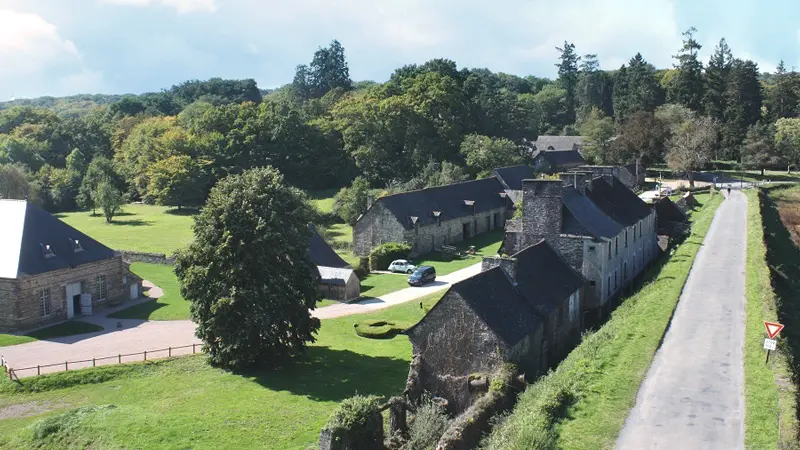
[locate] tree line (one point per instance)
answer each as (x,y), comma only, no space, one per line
(428,124)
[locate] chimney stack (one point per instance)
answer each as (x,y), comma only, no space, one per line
(577,179)
(542,203)
(509,266)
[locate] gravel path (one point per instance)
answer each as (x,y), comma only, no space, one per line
(692,397)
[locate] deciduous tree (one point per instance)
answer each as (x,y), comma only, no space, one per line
(692,146)
(483,153)
(598,131)
(759,150)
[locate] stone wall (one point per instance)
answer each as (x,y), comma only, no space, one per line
(144,257)
(377,226)
(24,309)
(541,208)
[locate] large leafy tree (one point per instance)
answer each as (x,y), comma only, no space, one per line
(743,101)
(691,148)
(568,77)
(719,67)
(641,137)
(350,202)
(246,274)
(328,71)
(483,153)
(783,98)
(16,182)
(593,89)
(686,88)
(100,169)
(759,150)
(598,131)
(787,138)
(636,88)
(109,199)
(176,181)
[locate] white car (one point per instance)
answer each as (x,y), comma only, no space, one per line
(401,266)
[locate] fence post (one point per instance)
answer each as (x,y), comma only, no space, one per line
(145,355)
(193,345)
(38,369)
(66,366)
(93,363)
(169,355)
(119,358)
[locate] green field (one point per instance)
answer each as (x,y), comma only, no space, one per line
(322,199)
(70,328)
(183,403)
(142,228)
(585,401)
(171,306)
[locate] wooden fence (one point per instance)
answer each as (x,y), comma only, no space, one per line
(169,352)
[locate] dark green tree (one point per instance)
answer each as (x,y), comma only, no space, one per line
(568,77)
(482,153)
(636,88)
(350,202)
(686,88)
(642,136)
(743,101)
(328,70)
(246,273)
(590,86)
(719,67)
(109,199)
(782,100)
(759,150)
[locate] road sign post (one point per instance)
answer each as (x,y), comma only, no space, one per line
(770,343)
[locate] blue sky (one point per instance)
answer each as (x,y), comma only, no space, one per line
(61,47)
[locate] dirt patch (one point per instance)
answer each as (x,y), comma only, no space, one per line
(28,409)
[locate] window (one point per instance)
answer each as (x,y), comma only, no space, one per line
(100,286)
(616,244)
(592,283)
(44,302)
(626,238)
(640,229)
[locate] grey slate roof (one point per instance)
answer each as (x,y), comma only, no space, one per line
(504,310)
(25,230)
(543,278)
(617,201)
(320,253)
(561,159)
(512,176)
(334,275)
(559,143)
(586,216)
(449,200)
(668,211)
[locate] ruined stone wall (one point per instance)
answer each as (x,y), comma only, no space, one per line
(145,257)
(451,344)
(377,226)
(24,310)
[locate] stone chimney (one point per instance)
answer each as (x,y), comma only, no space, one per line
(509,266)
(542,203)
(578,180)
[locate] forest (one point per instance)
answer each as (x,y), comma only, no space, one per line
(427,125)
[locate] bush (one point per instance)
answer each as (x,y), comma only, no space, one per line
(356,422)
(428,425)
(381,256)
(362,270)
(377,329)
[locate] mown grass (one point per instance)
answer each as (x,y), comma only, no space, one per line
(171,306)
(184,403)
(766,405)
(143,228)
(70,328)
(585,401)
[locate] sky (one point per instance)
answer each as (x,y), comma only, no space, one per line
(65,47)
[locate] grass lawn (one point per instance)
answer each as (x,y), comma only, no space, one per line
(322,199)
(70,328)
(585,401)
(183,403)
(143,228)
(171,306)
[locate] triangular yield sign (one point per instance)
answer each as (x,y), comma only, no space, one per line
(773,329)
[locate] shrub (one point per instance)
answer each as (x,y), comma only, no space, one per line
(381,256)
(377,329)
(430,422)
(362,270)
(357,422)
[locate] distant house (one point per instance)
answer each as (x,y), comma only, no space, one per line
(524,309)
(432,217)
(599,226)
(50,271)
(552,161)
(337,280)
(558,143)
(631,175)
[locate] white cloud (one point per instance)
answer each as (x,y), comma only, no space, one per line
(182,6)
(31,50)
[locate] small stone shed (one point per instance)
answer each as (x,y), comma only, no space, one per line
(524,309)
(50,271)
(337,280)
(432,217)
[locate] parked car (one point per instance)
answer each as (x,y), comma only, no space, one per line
(402,266)
(422,275)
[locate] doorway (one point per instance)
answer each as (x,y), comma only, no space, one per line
(465,231)
(73,300)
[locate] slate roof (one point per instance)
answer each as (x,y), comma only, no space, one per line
(584,216)
(25,230)
(617,201)
(449,201)
(559,143)
(320,253)
(334,275)
(668,211)
(560,159)
(502,308)
(544,278)
(512,176)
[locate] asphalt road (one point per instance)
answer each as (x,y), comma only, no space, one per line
(692,396)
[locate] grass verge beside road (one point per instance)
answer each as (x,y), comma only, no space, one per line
(585,401)
(171,306)
(70,328)
(184,403)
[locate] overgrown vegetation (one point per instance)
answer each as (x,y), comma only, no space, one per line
(428,425)
(584,402)
(381,256)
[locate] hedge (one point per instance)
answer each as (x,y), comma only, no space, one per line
(381,256)
(377,329)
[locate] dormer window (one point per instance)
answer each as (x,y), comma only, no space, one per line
(415,222)
(438,216)
(471,204)
(47,251)
(76,245)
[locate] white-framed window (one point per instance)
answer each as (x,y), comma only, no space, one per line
(45,296)
(101,287)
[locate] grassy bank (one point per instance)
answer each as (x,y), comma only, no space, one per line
(184,403)
(584,403)
(171,306)
(70,328)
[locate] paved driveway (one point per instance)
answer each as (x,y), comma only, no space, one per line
(692,397)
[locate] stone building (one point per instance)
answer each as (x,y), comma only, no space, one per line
(524,309)
(599,226)
(559,143)
(432,217)
(337,280)
(50,271)
(553,161)
(631,175)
